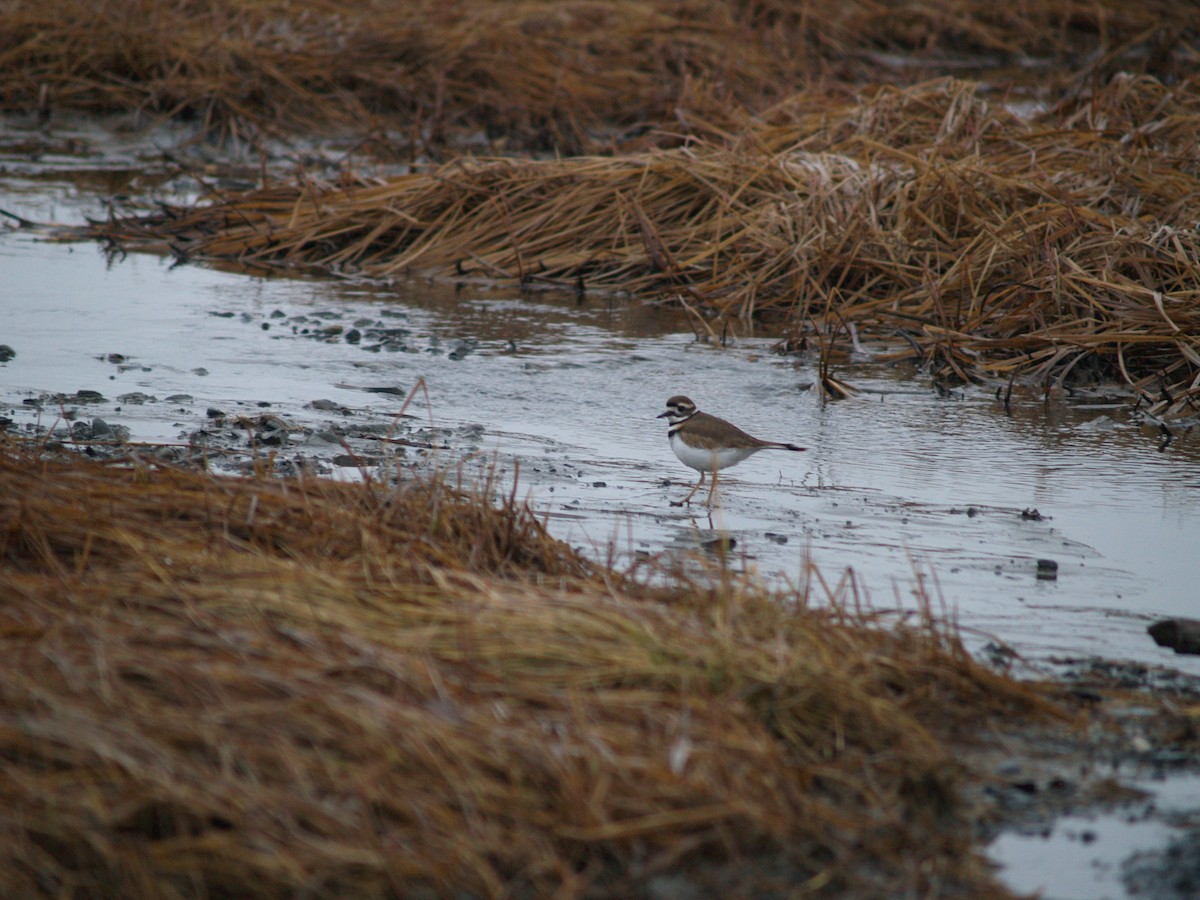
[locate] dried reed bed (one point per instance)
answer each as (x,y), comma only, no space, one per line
(542,73)
(264,688)
(1058,250)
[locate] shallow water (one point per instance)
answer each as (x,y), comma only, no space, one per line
(1139,850)
(897,484)
(901,491)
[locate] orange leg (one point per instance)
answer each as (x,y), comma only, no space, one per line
(711,488)
(688,499)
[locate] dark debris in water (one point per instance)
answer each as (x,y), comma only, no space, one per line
(1180,634)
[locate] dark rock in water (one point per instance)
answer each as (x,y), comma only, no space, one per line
(1182,635)
(6,353)
(271,432)
(346,460)
(137,398)
(1047,569)
(99,430)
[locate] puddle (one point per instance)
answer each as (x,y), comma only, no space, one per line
(1146,849)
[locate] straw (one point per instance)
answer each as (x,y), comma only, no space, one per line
(1046,251)
(260,688)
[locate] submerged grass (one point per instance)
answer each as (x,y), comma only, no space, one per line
(1056,250)
(552,74)
(252,687)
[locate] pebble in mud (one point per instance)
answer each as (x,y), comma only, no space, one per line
(136,398)
(81,396)
(99,430)
(328,406)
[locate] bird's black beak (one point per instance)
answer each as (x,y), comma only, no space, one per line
(663,415)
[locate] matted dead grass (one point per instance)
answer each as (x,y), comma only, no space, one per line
(216,686)
(562,74)
(1057,250)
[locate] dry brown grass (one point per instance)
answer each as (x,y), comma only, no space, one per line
(1057,250)
(561,74)
(265,688)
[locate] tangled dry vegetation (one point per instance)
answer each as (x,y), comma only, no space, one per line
(550,74)
(760,159)
(1058,250)
(263,687)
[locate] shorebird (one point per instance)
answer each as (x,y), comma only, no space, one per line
(706,443)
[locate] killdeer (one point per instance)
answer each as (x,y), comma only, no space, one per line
(706,443)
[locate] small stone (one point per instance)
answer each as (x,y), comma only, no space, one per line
(1047,569)
(1180,634)
(137,398)
(6,353)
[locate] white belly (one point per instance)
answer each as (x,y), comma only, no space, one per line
(703,460)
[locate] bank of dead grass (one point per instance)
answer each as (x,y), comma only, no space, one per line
(245,687)
(1053,250)
(562,74)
